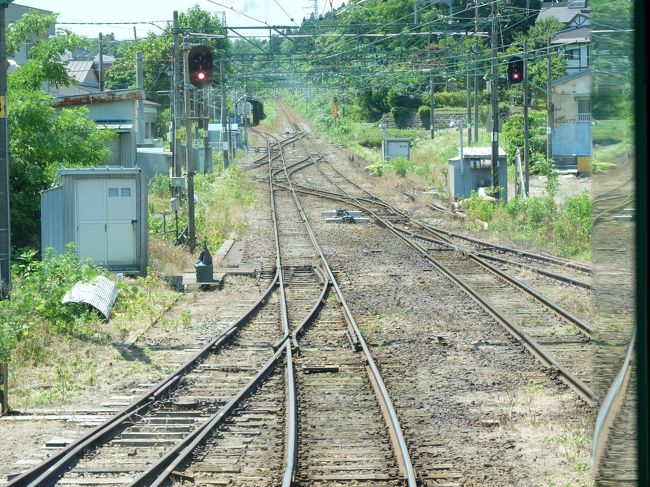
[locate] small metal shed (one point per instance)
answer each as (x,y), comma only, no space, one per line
(103,211)
(475,171)
(393,147)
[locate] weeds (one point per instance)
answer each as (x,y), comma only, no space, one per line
(401,166)
(39,287)
(565,228)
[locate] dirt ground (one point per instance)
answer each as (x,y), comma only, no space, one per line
(467,395)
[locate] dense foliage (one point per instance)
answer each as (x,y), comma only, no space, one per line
(41,137)
(157,53)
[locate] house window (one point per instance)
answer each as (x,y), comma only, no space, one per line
(584,110)
(572,54)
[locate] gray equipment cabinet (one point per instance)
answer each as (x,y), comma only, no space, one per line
(103,212)
(393,147)
(475,171)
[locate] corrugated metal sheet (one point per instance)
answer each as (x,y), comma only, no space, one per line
(97,99)
(97,171)
(100,293)
(117,126)
(561,12)
(79,70)
(154,162)
(52,226)
(119,111)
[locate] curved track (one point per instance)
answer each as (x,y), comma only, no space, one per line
(559,339)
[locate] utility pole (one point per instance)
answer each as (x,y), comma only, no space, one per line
(139,82)
(5,218)
(549,103)
(207,163)
(189,154)
(416,12)
(222,80)
(462,152)
(495,102)
(469,104)
(432,118)
(175,142)
(476,70)
(526,134)
(101,62)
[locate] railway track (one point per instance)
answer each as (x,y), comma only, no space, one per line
(345,433)
(120,449)
(613,453)
(560,340)
(233,412)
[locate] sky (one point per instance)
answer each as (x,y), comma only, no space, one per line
(90,11)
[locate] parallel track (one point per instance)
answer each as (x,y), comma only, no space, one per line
(557,338)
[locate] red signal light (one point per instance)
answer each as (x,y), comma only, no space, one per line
(515,70)
(200,66)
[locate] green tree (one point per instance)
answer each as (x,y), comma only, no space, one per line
(41,138)
(157,53)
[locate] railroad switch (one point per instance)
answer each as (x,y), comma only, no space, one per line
(343,215)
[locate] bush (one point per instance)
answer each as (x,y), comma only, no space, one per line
(450,99)
(424,113)
(565,228)
(376,169)
(479,208)
(401,165)
(39,287)
(573,226)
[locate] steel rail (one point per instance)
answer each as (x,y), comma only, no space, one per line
(54,466)
(292,416)
(534,348)
(262,159)
(610,406)
(47,472)
(397,437)
(302,327)
(552,275)
(530,255)
(162,470)
(556,308)
(547,359)
(583,326)
(378,201)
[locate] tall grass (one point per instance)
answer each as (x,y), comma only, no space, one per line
(221,201)
(563,228)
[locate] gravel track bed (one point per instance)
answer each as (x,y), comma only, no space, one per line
(469,398)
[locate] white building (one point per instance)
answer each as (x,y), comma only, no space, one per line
(574,40)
